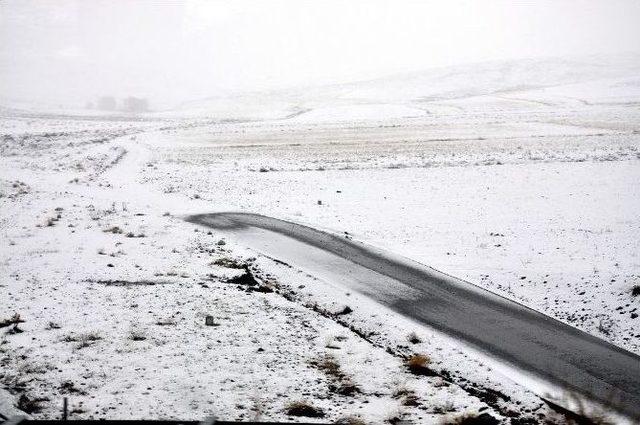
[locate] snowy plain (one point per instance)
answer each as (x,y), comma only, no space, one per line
(522,178)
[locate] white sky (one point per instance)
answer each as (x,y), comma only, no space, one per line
(71,51)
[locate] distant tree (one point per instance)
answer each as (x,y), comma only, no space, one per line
(135,104)
(107,103)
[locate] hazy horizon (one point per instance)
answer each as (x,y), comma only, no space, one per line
(73,51)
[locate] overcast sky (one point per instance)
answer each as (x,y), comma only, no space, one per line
(72,51)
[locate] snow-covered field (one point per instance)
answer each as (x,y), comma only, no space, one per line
(529,188)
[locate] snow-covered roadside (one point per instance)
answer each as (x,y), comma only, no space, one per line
(114,289)
(540,212)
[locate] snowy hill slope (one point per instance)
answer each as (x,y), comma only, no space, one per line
(509,85)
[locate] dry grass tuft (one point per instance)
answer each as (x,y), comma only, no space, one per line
(418,364)
(345,387)
(83,340)
(341,383)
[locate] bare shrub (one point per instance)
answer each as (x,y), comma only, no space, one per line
(341,383)
(13,320)
(407,395)
(418,364)
(302,408)
(329,365)
(83,340)
(401,392)
(414,338)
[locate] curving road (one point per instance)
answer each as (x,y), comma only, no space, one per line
(539,344)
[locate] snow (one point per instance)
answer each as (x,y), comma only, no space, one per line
(528,190)
(358,113)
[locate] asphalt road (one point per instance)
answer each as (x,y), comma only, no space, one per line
(531,341)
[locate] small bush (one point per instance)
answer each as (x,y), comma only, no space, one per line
(302,408)
(329,365)
(83,340)
(418,364)
(635,291)
(414,338)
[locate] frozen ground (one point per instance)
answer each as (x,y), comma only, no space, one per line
(531,192)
